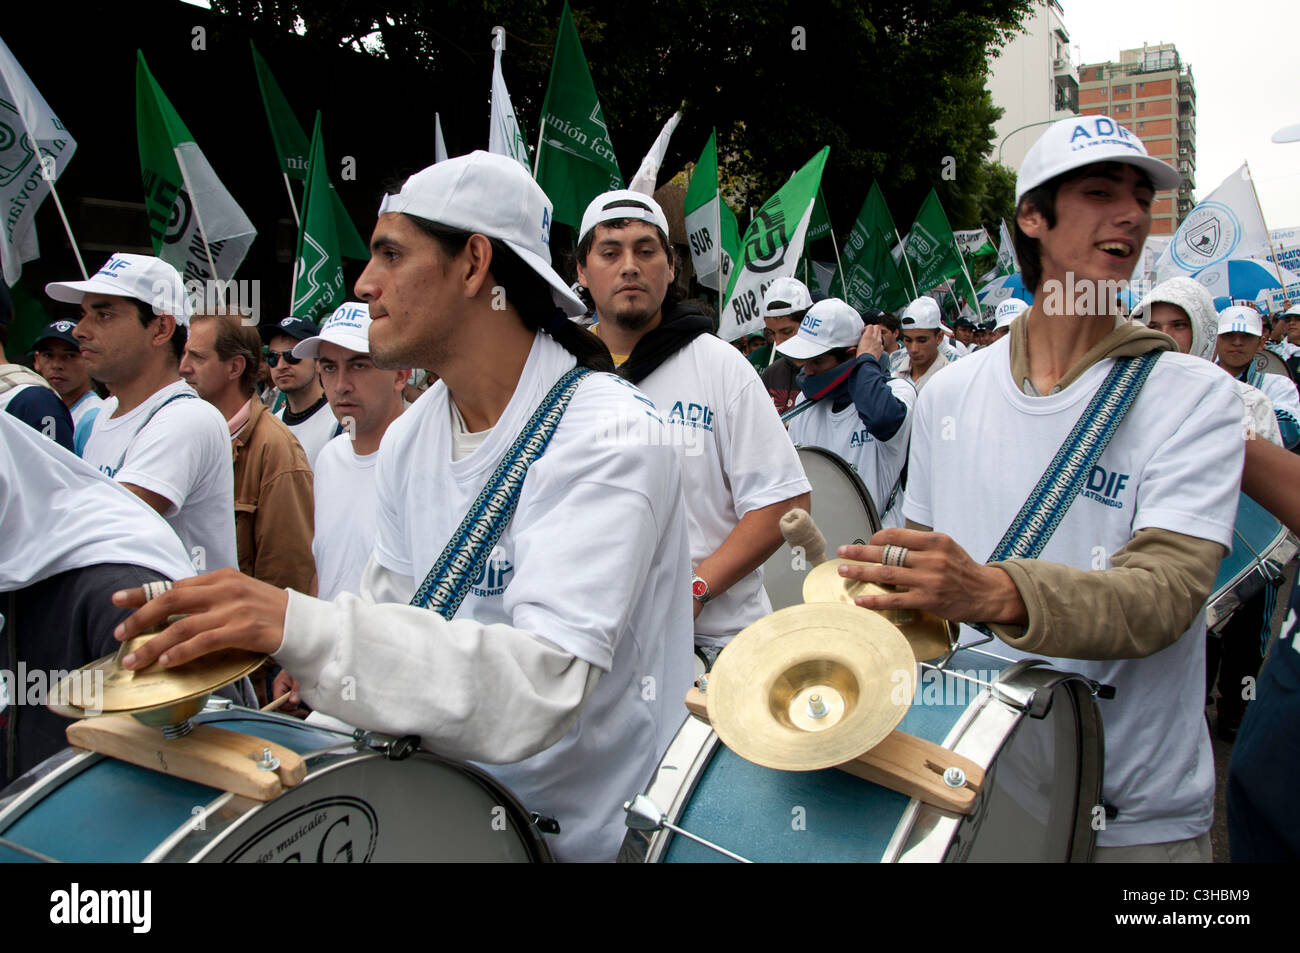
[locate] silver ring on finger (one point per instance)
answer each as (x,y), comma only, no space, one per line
(894,555)
(152,590)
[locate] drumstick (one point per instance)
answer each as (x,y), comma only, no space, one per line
(274,705)
(801,532)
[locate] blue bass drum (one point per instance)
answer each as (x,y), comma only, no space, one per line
(1035,730)
(1261,547)
(378,799)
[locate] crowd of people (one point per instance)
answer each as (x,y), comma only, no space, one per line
(517,560)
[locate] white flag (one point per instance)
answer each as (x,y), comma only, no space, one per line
(504,135)
(1225,224)
(646,176)
(439,146)
(33,146)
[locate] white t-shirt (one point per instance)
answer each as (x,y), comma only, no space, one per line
(314,432)
(735,456)
(182,454)
(595,560)
(1174,463)
(344,484)
(58,513)
(86,402)
(879,464)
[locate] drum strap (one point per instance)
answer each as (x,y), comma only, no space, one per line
(1065,476)
(466,553)
(184,395)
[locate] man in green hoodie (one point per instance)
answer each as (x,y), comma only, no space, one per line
(1122,570)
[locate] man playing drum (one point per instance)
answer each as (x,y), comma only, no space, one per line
(858,412)
(1124,576)
(565,667)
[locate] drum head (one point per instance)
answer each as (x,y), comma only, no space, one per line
(843,510)
(1269,363)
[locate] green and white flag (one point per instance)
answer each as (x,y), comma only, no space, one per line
(1006,263)
(195,224)
(703,207)
(323,241)
(974,242)
(771,249)
(291,145)
(34,150)
(505,135)
(647,174)
(873,279)
(730,244)
(575,159)
(930,246)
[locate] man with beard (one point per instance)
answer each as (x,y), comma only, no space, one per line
(740,471)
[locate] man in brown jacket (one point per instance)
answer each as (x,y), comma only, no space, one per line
(273,482)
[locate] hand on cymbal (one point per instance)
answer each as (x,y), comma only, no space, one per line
(224,610)
(939,576)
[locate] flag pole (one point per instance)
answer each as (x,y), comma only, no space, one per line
(288,188)
(203,232)
(1277,267)
(54,193)
(910,277)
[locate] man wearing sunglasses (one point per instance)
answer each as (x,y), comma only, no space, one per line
(306,412)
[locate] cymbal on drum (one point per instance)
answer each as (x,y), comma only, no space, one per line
(155,695)
(811,686)
(928,634)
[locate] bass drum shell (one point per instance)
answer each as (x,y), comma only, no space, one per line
(1261,548)
(354,806)
(843,510)
(1042,784)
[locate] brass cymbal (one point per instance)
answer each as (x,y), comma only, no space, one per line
(155,694)
(927,633)
(811,686)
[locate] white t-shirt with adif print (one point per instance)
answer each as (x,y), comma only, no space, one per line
(736,457)
(1173,464)
(182,453)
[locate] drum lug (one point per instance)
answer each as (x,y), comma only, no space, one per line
(394,749)
(547,825)
(1020,685)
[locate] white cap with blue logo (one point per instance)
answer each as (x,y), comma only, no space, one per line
(348,327)
(492,195)
(1008,311)
(1082,140)
(829,324)
(1240,319)
(141,277)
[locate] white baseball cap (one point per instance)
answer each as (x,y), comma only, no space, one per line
(1293,311)
(921,315)
(1008,311)
(621,204)
(829,324)
(142,277)
(492,195)
(1082,140)
(1240,319)
(348,327)
(785,296)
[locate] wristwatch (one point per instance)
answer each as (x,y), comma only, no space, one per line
(700,590)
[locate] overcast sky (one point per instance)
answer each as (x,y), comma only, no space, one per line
(1243,57)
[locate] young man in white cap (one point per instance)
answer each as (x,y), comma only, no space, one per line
(273,481)
(740,472)
(566,668)
(59,361)
(305,410)
(921,334)
(1004,314)
(785,302)
(155,435)
(1240,331)
(366,400)
(1142,520)
(856,410)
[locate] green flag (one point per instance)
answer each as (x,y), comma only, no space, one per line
(575,159)
(872,277)
(703,207)
(771,249)
(291,143)
(195,224)
(819,226)
(323,241)
(730,242)
(930,246)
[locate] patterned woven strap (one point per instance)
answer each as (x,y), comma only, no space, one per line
(467,552)
(1066,475)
